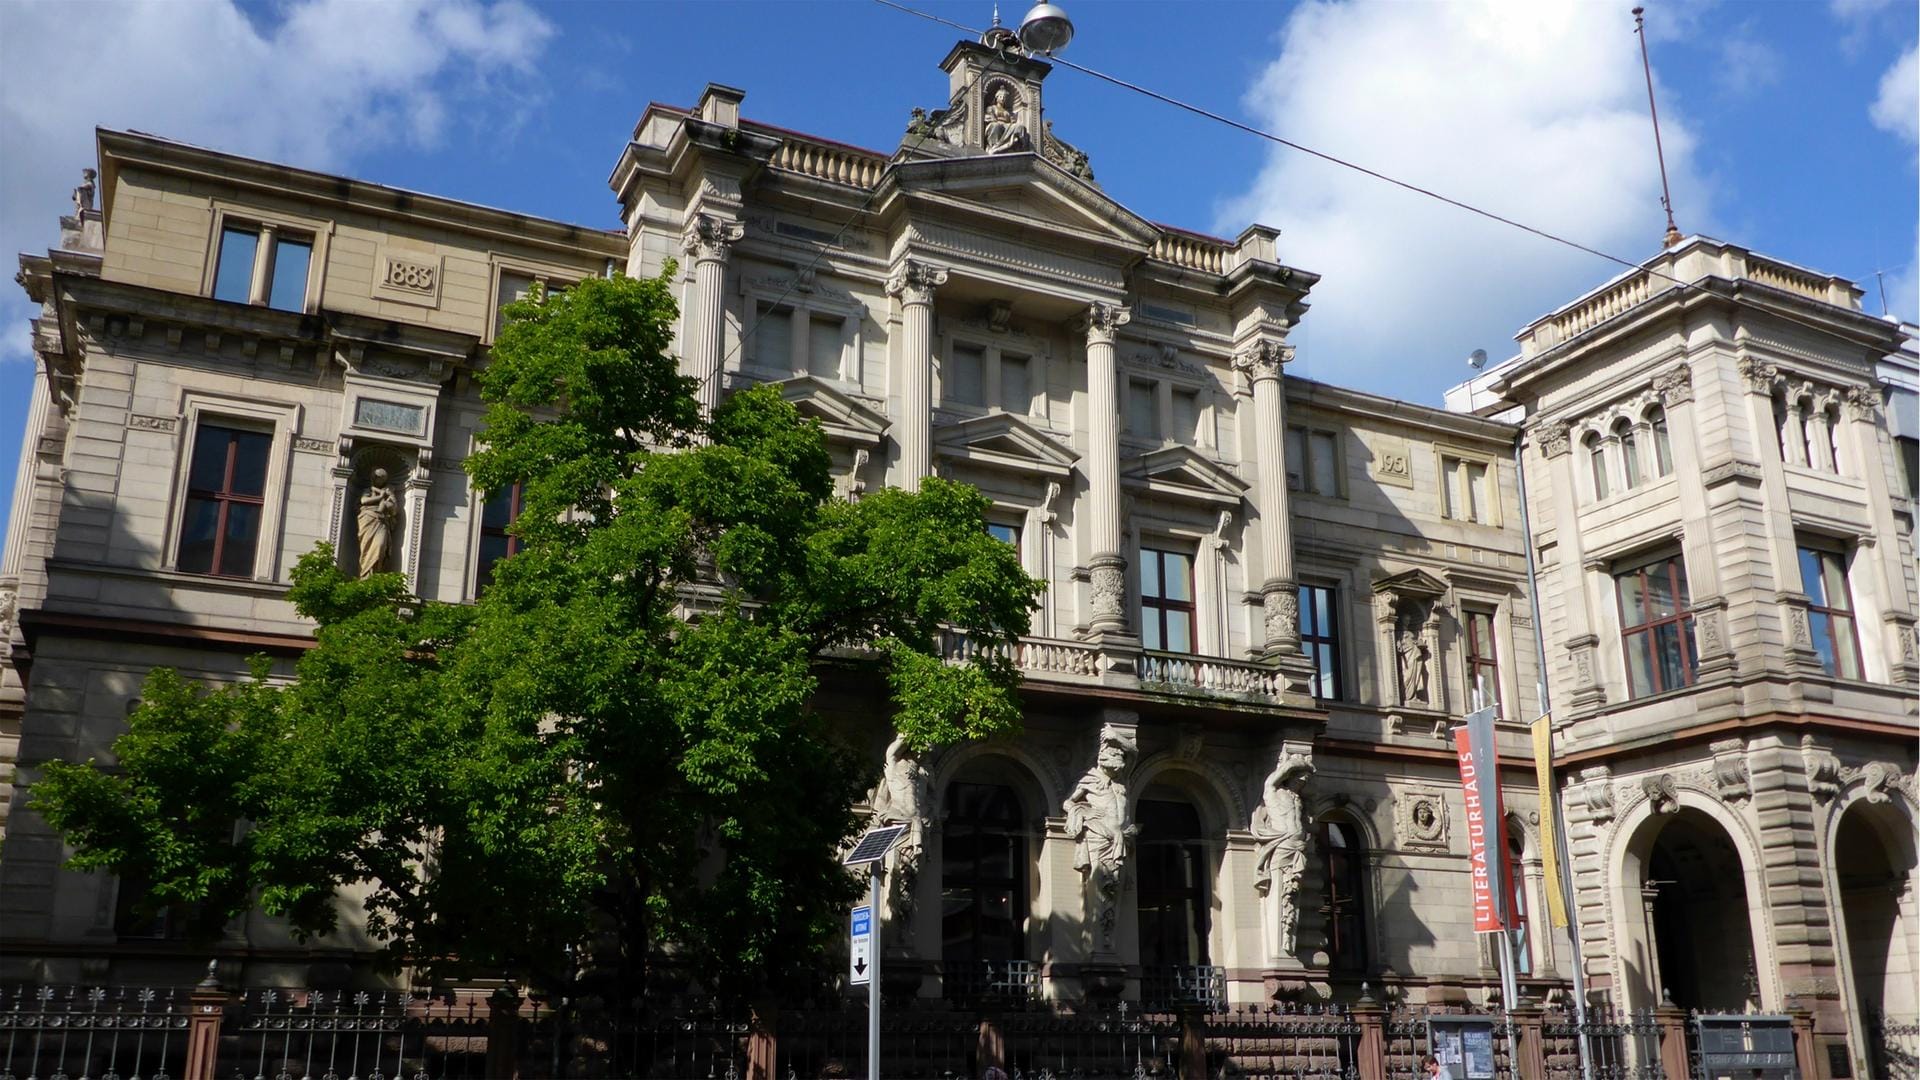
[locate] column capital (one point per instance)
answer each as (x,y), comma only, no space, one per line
(1760,375)
(1553,438)
(1674,386)
(1263,359)
(710,238)
(1103,321)
(1863,402)
(913,281)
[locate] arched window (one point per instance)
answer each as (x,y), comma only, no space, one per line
(1782,425)
(1597,463)
(983,889)
(1343,859)
(1832,415)
(1174,905)
(1630,449)
(1662,445)
(1517,881)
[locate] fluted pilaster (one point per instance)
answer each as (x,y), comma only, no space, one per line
(1102,324)
(913,283)
(708,242)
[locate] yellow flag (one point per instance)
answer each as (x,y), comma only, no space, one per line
(1549,831)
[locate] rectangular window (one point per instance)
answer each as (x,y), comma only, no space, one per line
(1016,392)
(773,337)
(496,542)
(966,376)
(1143,409)
(1656,627)
(1166,600)
(1006,534)
(1320,639)
(276,275)
(1483,666)
(824,347)
(226,495)
(1823,575)
(1313,461)
(233,274)
(1464,489)
(287,275)
(1186,416)
(1907,449)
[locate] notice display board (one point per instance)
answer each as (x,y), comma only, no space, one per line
(1748,1045)
(1463,1045)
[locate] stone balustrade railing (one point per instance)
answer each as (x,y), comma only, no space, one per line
(1782,276)
(1192,251)
(1209,674)
(829,162)
(1602,306)
(1039,656)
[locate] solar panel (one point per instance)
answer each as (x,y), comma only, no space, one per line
(874,845)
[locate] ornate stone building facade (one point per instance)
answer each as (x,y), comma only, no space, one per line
(1268,600)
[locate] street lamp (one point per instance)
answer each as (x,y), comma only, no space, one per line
(1046,29)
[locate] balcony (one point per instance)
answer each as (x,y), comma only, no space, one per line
(1053,660)
(1198,984)
(1007,983)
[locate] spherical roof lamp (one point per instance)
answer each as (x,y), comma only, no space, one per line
(1046,29)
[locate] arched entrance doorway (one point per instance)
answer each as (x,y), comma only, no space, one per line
(1174,898)
(1873,861)
(1694,891)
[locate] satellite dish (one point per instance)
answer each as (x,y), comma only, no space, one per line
(1477,359)
(1046,29)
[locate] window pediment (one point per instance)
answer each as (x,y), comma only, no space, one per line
(1183,473)
(1005,441)
(1414,584)
(845,419)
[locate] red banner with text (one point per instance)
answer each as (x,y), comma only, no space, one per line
(1486,839)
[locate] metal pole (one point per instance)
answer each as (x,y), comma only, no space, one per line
(1559,804)
(873,984)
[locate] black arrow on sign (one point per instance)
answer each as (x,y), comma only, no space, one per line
(859,967)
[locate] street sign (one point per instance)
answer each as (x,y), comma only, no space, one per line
(860,947)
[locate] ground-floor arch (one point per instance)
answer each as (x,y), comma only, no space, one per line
(1873,861)
(1685,909)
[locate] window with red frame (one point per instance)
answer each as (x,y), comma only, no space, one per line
(1483,667)
(226,497)
(496,542)
(1656,627)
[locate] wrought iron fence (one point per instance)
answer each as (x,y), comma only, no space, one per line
(129,1032)
(1893,1045)
(1623,1045)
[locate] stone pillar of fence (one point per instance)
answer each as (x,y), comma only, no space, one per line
(1372,1048)
(503,1035)
(1803,1054)
(762,1041)
(1673,1041)
(206,1010)
(1529,1050)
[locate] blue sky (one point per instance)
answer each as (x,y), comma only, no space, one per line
(1790,127)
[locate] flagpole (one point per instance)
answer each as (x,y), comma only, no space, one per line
(1552,793)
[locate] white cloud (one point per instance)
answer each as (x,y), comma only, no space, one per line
(1897,110)
(1537,112)
(1747,65)
(321,83)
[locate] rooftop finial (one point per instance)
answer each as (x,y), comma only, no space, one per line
(996,13)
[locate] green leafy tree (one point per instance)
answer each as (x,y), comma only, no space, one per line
(614,752)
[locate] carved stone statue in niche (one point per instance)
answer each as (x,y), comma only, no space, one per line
(1281,828)
(374,525)
(902,798)
(1097,820)
(1415,658)
(1004,132)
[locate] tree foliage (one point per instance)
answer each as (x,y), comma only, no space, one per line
(612,753)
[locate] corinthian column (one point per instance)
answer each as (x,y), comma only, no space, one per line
(913,283)
(1109,564)
(1280,593)
(707,242)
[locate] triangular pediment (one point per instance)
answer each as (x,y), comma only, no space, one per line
(1007,442)
(1415,583)
(1023,189)
(1181,472)
(846,419)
